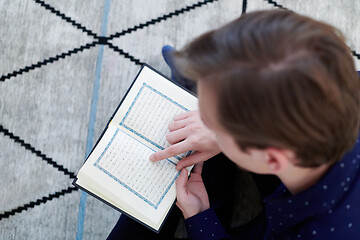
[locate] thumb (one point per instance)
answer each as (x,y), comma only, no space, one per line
(194,158)
(181,184)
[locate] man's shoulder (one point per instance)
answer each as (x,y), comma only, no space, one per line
(340,220)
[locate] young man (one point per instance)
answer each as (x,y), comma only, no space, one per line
(279,94)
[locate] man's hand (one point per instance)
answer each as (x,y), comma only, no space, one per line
(192,197)
(188,133)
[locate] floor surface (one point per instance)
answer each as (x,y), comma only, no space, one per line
(65,65)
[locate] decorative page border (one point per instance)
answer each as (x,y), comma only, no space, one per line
(139,134)
(96,164)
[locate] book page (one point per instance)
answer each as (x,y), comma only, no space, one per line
(120,167)
(149,116)
(126,161)
(150,106)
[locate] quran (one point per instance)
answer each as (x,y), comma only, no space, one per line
(118,170)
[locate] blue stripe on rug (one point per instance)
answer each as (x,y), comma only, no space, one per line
(94,101)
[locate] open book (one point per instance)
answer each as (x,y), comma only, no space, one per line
(118,170)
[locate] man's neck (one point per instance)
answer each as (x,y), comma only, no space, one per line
(298,179)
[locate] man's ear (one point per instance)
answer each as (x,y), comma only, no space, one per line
(277,160)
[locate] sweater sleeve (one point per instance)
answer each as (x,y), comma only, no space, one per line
(205,225)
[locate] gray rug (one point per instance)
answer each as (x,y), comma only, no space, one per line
(65,67)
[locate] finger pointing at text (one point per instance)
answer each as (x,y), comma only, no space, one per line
(188,133)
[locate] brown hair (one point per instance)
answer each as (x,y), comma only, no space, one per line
(282,80)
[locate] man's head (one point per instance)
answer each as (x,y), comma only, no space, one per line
(277,80)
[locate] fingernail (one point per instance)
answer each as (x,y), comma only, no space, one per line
(152,157)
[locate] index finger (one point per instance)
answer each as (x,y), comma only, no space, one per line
(171,151)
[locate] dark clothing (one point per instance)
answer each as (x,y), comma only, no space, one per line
(329,209)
